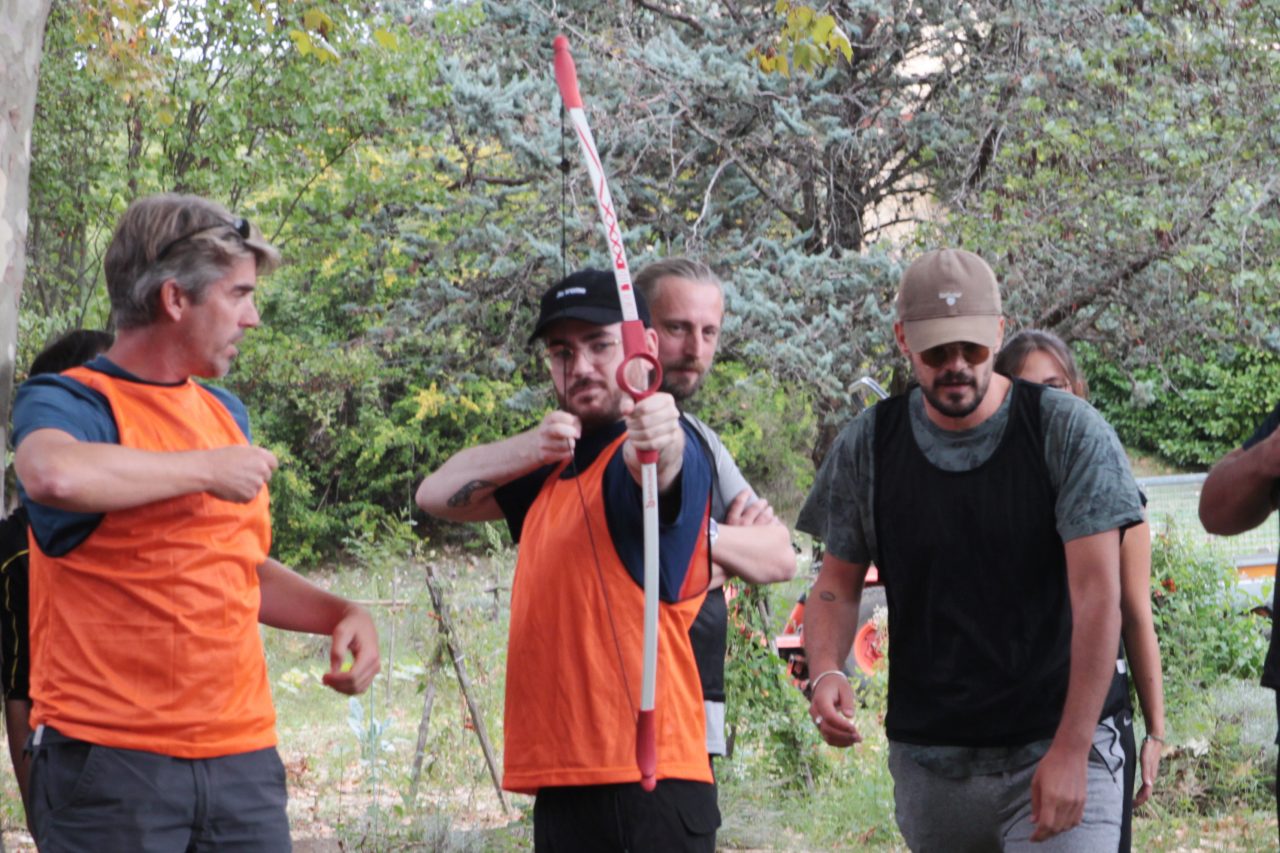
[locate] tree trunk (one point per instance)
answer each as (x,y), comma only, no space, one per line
(21,39)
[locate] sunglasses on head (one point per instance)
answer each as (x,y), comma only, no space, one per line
(937,356)
(240,225)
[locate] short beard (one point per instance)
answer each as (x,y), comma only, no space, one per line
(592,421)
(681,392)
(980,384)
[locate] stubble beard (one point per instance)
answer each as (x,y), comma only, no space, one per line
(680,389)
(595,417)
(950,381)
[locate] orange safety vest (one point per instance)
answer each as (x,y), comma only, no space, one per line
(145,635)
(568,718)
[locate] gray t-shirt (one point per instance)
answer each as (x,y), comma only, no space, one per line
(726,484)
(726,480)
(1090,474)
(1089,471)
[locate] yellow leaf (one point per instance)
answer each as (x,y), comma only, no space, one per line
(387,39)
(822,28)
(317,21)
(839,41)
(302,41)
(165,117)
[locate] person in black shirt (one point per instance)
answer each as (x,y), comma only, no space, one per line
(1240,493)
(71,349)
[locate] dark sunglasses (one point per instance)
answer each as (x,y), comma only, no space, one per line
(937,356)
(240,225)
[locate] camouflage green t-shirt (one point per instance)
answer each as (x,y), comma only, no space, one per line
(1090,472)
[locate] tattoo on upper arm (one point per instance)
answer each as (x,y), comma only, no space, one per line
(462,497)
(827,595)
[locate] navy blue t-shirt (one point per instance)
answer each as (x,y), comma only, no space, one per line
(54,401)
(681,509)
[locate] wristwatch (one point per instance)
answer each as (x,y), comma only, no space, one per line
(713,532)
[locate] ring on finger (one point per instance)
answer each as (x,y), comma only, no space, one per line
(817,721)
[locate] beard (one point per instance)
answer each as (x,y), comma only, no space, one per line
(605,408)
(957,393)
(682,387)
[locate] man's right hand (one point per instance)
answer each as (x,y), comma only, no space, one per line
(556,436)
(240,472)
(832,711)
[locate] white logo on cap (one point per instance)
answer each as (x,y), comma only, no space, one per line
(950,297)
(571,291)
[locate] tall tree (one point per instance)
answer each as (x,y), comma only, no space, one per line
(23,23)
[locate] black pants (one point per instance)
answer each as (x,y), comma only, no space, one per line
(676,816)
(90,797)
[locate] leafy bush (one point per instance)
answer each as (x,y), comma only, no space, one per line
(1206,633)
(1188,411)
(768,426)
(770,733)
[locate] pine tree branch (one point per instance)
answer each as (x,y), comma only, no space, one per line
(666,12)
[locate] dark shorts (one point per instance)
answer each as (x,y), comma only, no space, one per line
(14,653)
(89,797)
(676,816)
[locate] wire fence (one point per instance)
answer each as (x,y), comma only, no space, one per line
(1175,501)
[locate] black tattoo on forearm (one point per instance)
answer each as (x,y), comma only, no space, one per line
(462,497)
(827,596)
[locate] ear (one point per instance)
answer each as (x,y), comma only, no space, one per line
(900,336)
(999,337)
(173,300)
(651,341)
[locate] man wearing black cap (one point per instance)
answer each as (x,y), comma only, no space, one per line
(992,509)
(569,490)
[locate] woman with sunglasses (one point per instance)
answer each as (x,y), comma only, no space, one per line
(1042,357)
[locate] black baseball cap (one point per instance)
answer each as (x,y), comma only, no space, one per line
(588,295)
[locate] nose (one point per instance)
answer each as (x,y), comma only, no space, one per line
(252,319)
(695,347)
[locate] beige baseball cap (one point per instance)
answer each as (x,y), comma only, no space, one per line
(949,296)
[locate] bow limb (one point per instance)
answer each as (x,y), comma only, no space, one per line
(634,348)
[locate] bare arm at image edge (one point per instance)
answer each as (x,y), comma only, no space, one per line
(1239,492)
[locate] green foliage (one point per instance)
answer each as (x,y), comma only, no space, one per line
(767,717)
(811,39)
(766,426)
(1126,185)
(1223,757)
(1206,631)
(1118,164)
(1189,411)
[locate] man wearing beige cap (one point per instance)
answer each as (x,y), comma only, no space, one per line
(993,510)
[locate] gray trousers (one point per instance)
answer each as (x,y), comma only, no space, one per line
(89,797)
(992,812)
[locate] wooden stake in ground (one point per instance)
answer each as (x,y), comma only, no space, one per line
(464,683)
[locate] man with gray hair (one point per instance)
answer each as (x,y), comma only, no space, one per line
(150,534)
(686,302)
(993,510)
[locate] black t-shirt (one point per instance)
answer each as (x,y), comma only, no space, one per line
(1270,669)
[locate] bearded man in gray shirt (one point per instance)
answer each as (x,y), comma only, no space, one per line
(993,510)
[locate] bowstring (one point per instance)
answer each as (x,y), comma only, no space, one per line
(573,456)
